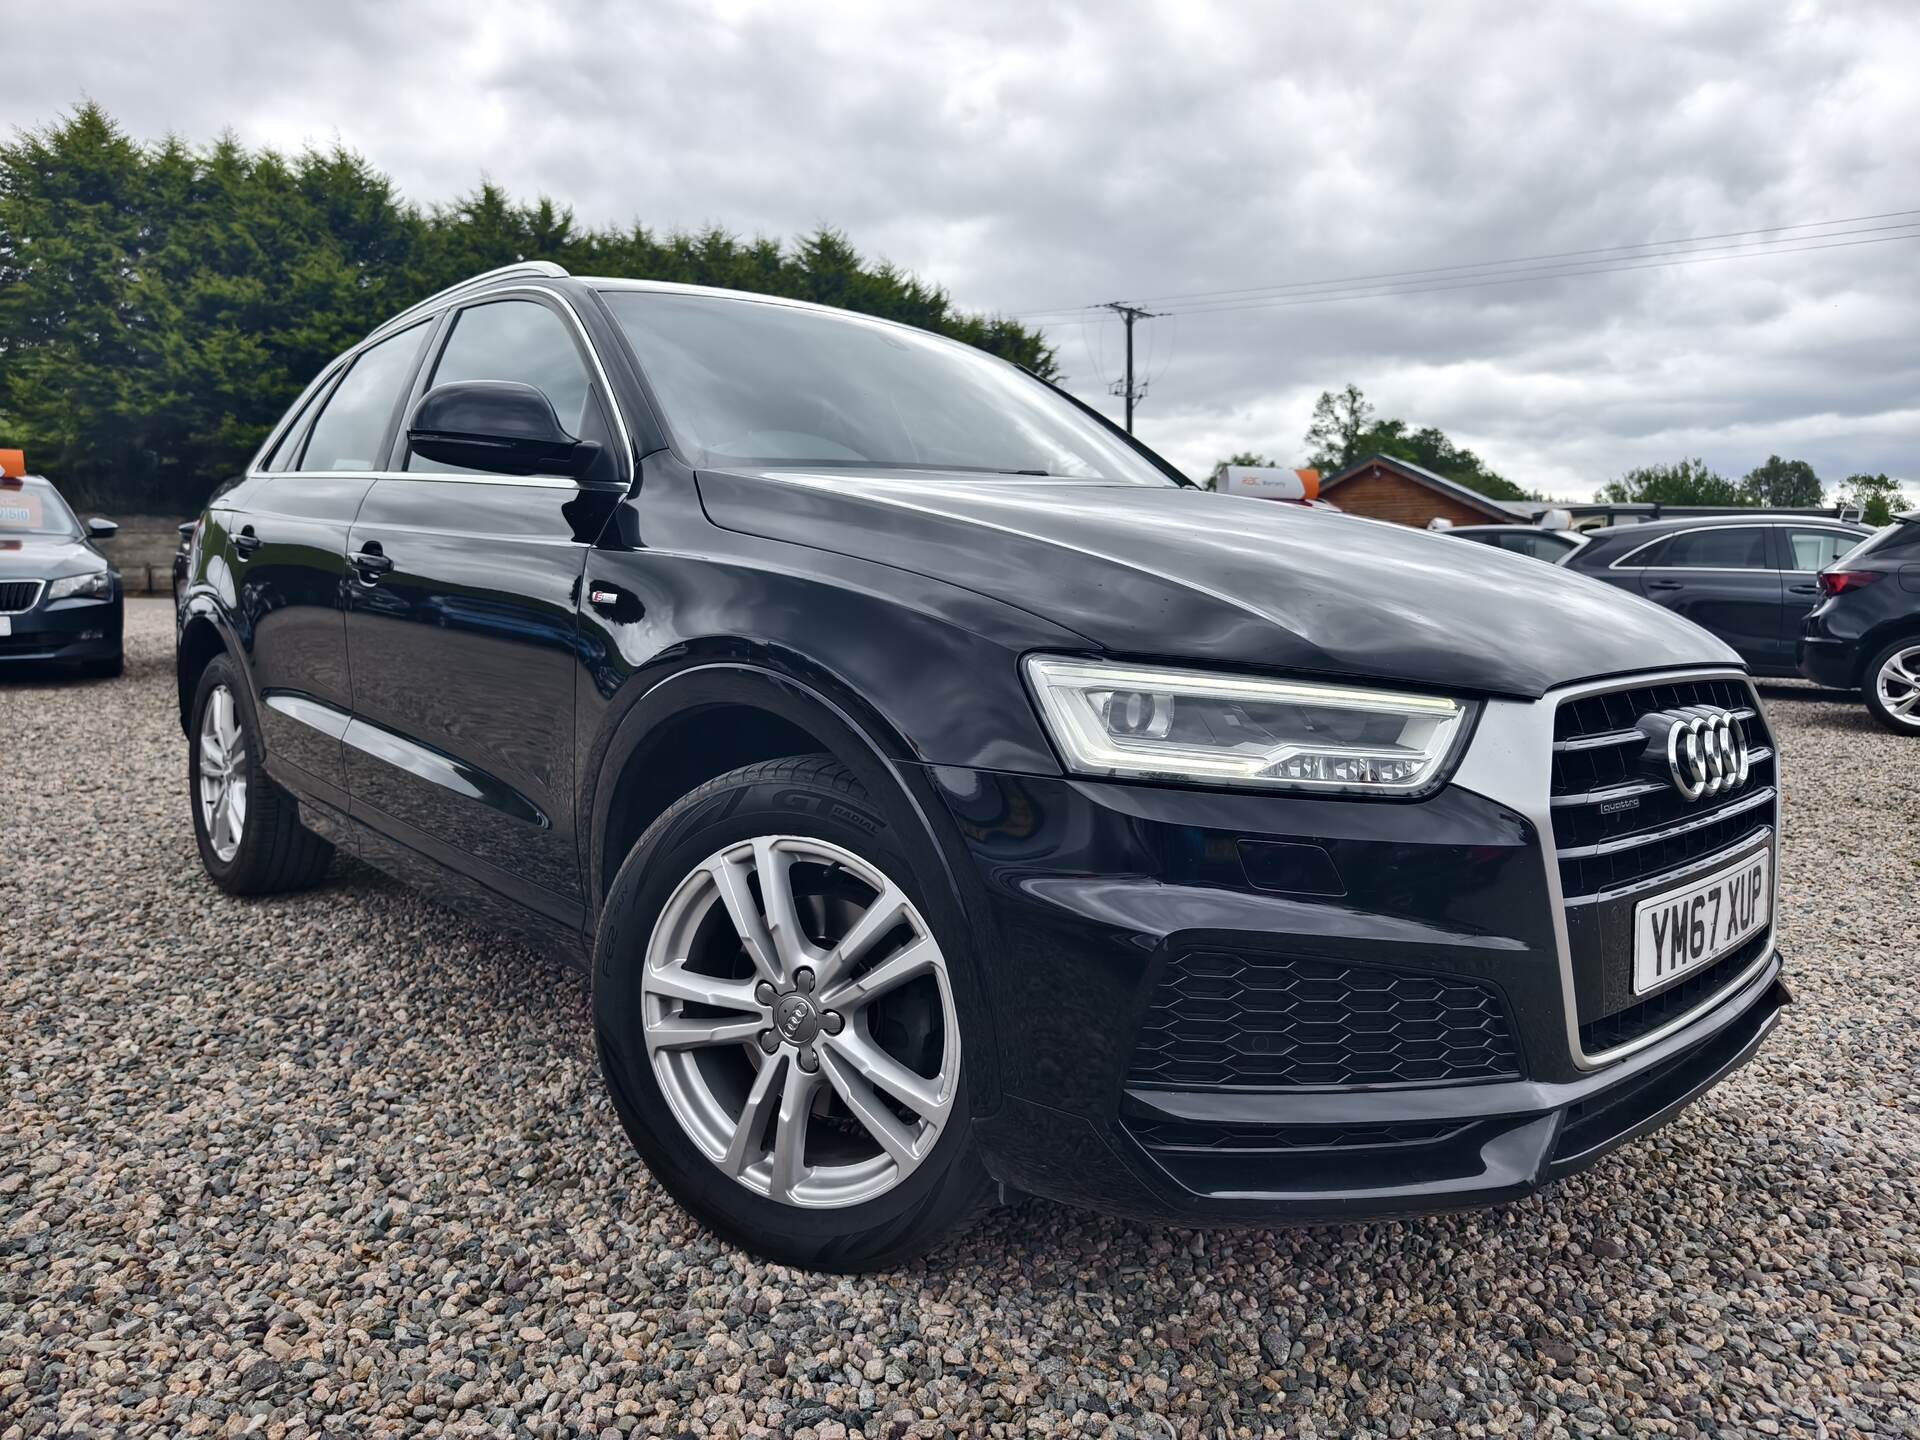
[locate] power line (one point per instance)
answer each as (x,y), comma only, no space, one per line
(1556,255)
(1521,279)
(1664,247)
(1524,275)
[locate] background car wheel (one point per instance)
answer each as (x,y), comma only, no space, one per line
(249,832)
(777,1023)
(1892,687)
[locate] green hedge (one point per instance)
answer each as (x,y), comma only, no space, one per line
(161,305)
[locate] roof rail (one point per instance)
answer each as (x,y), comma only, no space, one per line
(542,268)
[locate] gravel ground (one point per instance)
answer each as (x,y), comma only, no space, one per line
(341,1163)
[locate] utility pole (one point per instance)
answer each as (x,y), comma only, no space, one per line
(1129,313)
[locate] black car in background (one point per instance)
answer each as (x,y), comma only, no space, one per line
(60,597)
(947,792)
(1750,579)
(1553,546)
(1865,635)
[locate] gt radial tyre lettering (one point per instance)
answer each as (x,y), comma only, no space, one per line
(248,829)
(777,1023)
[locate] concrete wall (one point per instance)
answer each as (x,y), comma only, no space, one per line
(143,550)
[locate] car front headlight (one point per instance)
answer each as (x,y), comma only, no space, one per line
(94,585)
(1146,723)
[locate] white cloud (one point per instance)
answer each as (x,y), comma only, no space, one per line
(1037,156)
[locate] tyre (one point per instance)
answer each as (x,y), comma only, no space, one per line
(777,1025)
(249,832)
(1891,684)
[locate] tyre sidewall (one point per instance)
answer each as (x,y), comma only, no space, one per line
(222,671)
(724,815)
(1870,689)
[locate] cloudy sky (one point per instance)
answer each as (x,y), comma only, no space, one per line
(1031,157)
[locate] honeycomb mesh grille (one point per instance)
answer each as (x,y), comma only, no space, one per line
(1219,1020)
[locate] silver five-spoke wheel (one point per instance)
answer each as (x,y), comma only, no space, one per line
(223,774)
(1898,685)
(800,1022)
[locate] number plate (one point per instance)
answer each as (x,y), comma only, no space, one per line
(6,624)
(1685,929)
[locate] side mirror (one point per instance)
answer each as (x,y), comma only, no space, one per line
(499,426)
(98,529)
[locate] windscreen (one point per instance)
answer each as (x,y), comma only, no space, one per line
(746,383)
(33,507)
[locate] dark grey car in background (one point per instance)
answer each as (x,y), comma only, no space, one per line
(1750,579)
(1865,635)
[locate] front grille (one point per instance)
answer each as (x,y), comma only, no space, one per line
(1622,831)
(1219,1020)
(1617,824)
(18,595)
(1185,1135)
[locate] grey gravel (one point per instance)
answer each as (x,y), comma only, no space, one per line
(340,1163)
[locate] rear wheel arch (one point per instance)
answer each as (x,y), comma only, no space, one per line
(1904,627)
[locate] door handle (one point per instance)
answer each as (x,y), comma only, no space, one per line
(371,562)
(1663,585)
(1803,589)
(246,542)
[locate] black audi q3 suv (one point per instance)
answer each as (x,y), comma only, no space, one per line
(948,795)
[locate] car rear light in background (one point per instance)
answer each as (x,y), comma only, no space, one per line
(1838,582)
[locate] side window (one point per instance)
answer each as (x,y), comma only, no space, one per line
(351,430)
(1817,549)
(1653,557)
(525,341)
(1734,548)
(287,448)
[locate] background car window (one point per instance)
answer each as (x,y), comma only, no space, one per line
(1817,549)
(1544,546)
(519,340)
(351,431)
(33,507)
(1733,548)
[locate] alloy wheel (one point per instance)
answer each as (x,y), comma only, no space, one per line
(223,774)
(1898,685)
(800,1021)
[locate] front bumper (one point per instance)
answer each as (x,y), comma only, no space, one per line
(1493,1143)
(1084,895)
(64,630)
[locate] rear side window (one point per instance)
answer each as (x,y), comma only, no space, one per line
(1817,549)
(287,448)
(524,341)
(1741,548)
(351,430)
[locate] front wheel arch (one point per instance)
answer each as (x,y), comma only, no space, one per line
(805,713)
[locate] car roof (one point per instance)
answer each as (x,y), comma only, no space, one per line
(1517,528)
(1651,528)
